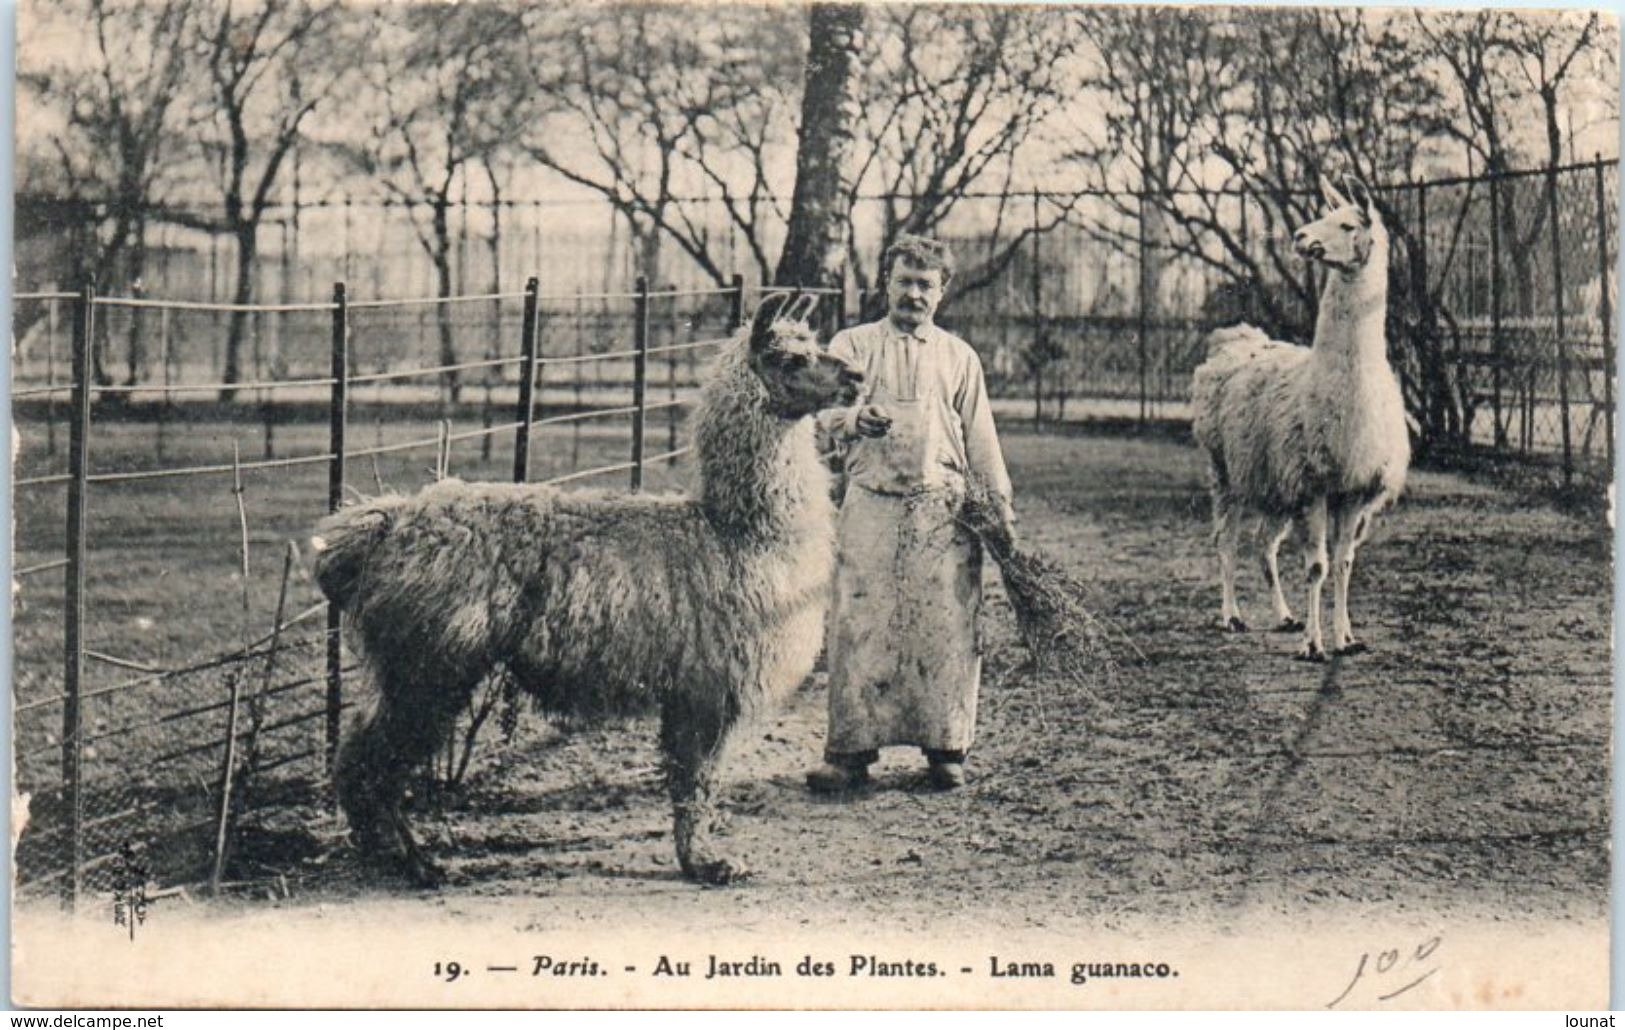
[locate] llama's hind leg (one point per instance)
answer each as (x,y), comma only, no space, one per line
(1315,525)
(414,711)
(1274,533)
(1227,526)
(693,735)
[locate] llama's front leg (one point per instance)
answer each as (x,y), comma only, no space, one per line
(1284,620)
(374,768)
(1350,529)
(693,736)
(379,758)
(1226,534)
(1316,560)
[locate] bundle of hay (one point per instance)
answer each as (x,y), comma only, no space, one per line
(1053,619)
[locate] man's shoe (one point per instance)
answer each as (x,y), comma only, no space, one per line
(837,779)
(946,775)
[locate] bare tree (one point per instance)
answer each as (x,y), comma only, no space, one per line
(449,90)
(1206,114)
(270,63)
(1491,107)
(952,98)
(119,108)
(651,107)
(1228,119)
(1515,75)
(815,250)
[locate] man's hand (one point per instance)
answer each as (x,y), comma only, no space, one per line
(872,421)
(1007,517)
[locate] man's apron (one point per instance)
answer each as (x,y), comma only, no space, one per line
(905,657)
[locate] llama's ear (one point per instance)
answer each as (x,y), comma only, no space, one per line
(1334,199)
(1359,193)
(802,307)
(767,312)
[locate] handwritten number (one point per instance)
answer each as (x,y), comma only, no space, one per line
(1387,961)
(1413,983)
(1358,972)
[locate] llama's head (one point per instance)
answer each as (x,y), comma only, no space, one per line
(799,376)
(1347,236)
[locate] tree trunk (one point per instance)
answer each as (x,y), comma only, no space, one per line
(104,268)
(452,381)
(647,236)
(815,248)
(247,258)
(137,363)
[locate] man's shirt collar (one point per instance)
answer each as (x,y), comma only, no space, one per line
(923,333)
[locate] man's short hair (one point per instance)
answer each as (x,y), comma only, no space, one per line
(921,252)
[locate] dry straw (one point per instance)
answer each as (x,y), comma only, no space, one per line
(1061,634)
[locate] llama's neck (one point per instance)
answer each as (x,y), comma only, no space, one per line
(1352,326)
(757,472)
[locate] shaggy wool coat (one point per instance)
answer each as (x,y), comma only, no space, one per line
(904,647)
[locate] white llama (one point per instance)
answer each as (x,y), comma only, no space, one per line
(602,604)
(1314,433)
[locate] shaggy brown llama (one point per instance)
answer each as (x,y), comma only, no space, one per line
(601,603)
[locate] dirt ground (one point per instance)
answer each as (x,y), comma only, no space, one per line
(1461,765)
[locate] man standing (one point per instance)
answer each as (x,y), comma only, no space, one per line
(904,650)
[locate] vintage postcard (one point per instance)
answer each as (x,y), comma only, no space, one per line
(678,505)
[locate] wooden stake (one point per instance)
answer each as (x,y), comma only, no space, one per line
(223,821)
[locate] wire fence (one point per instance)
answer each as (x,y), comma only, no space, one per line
(1092,303)
(180,682)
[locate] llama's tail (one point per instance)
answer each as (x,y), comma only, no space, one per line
(343,541)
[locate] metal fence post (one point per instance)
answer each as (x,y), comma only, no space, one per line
(527,381)
(1562,336)
(166,407)
(50,375)
(1605,277)
(736,304)
(1037,341)
(671,371)
(640,375)
(84,331)
(1244,302)
(1431,365)
(263,370)
(1145,309)
(335,497)
(1497,348)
